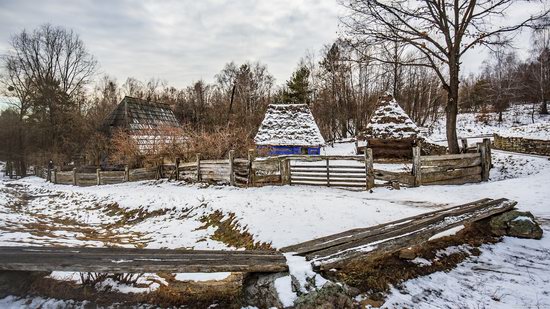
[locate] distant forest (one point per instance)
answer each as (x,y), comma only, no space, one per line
(63,102)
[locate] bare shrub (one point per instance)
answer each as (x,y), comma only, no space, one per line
(92,279)
(218,143)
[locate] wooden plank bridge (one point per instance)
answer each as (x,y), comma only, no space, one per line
(325,252)
(123,260)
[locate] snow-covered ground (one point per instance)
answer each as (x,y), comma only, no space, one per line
(517,121)
(512,274)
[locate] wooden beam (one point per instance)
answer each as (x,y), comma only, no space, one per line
(417,166)
(369,165)
(124,260)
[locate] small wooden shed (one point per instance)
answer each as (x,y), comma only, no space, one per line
(289,129)
(390,132)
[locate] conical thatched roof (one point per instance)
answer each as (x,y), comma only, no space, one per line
(289,125)
(390,121)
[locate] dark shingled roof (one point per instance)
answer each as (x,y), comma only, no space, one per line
(143,120)
(136,114)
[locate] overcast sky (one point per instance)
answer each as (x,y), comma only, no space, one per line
(183,41)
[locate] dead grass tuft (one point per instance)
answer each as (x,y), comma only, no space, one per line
(374,276)
(230,232)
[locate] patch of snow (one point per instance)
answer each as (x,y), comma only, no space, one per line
(65,276)
(202,276)
(453,250)
(421,261)
(524,218)
(283,286)
(302,270)
(449,232)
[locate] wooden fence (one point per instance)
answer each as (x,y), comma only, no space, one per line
(100,177)
(330,171)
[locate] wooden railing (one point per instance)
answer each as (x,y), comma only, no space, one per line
(330,171)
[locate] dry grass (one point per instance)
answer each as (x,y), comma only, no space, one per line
(230,232)
(374,277)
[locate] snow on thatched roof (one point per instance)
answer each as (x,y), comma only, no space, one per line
(390,121)
(289,125)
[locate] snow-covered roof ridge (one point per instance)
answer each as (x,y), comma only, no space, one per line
(289,125)
(390,121)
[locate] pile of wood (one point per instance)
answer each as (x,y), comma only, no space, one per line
(330,251)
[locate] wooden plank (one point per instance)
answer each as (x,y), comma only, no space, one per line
(372,249)
(332,175)
(309,158)
(223,161)
(452,174)
(323,167)
(332,178)
(305,183)
(457,181)
(456,163)
(404,178)
(449,157)
(360,233)
(451,165)
(138,260)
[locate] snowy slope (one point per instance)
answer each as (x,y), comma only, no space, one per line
(516,120)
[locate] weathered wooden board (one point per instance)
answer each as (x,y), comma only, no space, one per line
(360,233)
(457,181)
(443,165)
(402,235)
(449,157)
(451,174)
(403,178)
(123,260)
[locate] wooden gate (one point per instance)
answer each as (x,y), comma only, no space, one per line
(349,171)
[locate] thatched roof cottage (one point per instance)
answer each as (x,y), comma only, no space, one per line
(289,129)
(390,132)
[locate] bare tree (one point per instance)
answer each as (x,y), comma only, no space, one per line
(500,71)
(46,69)
(541,72)
(443,31)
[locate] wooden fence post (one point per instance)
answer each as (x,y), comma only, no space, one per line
(126,173)
(198,167)
(55,175)
(487,143)
(328,173)
(417,166)
(74,176)
(231,167)
(288,172)
(464,142)
(485,152)
(369,168)
(177,176)
(98,176)
(251,171)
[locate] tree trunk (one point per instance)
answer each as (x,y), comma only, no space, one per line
(544,107)
(451,112)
